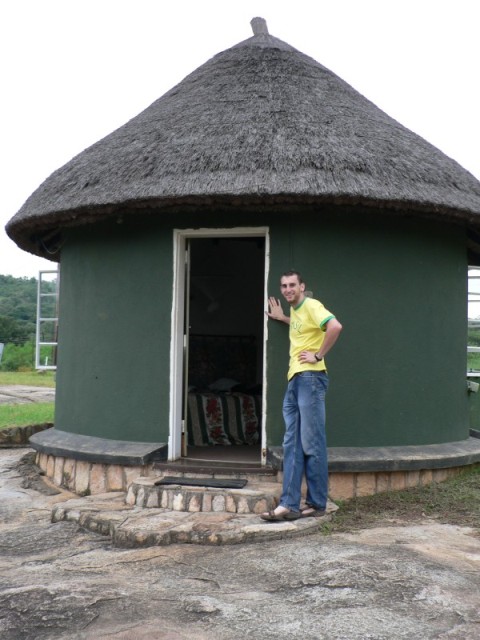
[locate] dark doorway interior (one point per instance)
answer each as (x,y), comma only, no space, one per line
(225,320)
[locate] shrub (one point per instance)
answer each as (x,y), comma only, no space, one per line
(18,357)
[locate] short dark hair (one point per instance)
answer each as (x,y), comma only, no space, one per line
(292,272)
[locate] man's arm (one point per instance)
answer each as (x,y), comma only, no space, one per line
(332,331)
(276,311)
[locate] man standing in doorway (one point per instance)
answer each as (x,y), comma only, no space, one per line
(313,332)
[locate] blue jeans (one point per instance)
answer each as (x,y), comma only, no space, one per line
(305,443)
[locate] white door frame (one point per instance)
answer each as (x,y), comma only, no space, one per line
(180,237)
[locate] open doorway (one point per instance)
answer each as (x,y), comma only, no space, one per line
(223,346)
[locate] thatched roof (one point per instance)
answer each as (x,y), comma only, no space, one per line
(260,122)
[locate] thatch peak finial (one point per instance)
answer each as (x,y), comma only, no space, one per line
(259,25)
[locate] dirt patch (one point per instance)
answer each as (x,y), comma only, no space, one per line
(455,501)
(33,477)
(22,394)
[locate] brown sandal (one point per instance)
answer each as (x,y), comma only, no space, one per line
(271,516)
(311,512)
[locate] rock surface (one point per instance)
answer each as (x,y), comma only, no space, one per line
(58,581)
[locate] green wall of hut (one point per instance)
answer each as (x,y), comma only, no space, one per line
(397,284)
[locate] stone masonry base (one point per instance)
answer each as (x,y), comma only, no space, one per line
(86,478)
(255,497)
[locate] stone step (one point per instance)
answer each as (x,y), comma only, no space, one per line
(254,498)
(216,469)
(130,526)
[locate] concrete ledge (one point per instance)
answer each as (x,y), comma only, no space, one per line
(98,450)
(381,459)
(353,472)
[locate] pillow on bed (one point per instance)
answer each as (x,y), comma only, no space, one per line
(223,384)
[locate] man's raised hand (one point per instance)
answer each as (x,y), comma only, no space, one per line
(276,311)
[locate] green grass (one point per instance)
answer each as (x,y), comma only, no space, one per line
(473,362)
(24,415)
(454,501)
(28,378)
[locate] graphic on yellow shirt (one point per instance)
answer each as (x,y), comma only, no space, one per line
(305,322)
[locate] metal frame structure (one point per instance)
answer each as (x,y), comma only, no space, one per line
(41,319)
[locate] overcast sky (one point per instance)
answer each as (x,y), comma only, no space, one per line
(72,71)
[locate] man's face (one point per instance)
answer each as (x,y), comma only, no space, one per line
(292,290)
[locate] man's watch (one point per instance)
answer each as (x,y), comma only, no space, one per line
(317,358)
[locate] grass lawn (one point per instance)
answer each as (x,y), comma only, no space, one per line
(473,362)
(28,378)
(24,415)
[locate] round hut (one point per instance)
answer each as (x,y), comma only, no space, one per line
(172,231)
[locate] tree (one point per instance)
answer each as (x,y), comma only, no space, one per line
(18,309)
(13,331)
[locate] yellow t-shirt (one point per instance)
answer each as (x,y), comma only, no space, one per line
(307,333)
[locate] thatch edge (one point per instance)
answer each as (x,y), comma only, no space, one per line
(35,236)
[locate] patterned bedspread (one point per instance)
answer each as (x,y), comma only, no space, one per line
(225,418)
